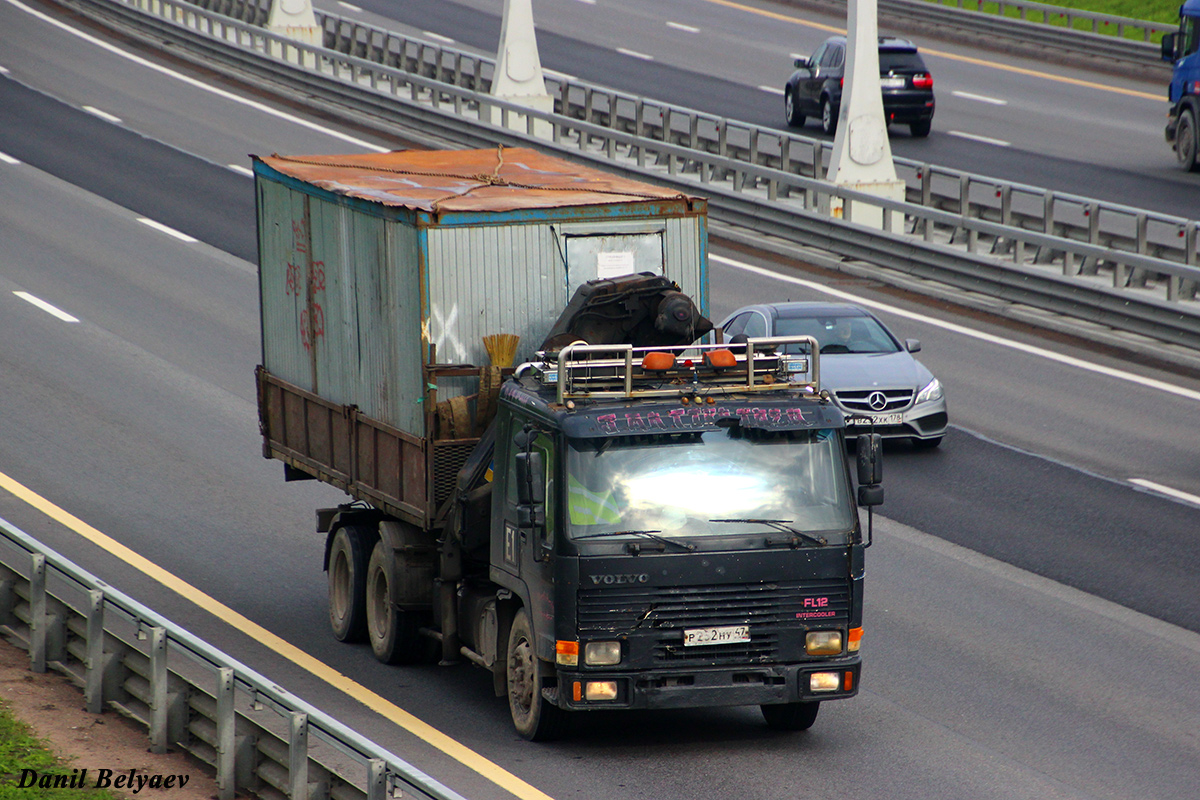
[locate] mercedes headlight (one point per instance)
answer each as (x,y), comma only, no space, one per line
(932,391)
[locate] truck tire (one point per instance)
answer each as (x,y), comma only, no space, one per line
(348,583)
(790,716)
(534,718)
(395,634)
(1187,141)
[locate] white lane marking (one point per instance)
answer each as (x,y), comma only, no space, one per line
(350,6)
(634,54)
(975,138)
(7,159)
(679,26)
(44,306)
(1167,490)
(158,226)
(771,89)
(437,37)
(996,101)
(196,83)
(588,2)
(238,168)
(4,71)
(1099,369)
(797,55)
(104,115)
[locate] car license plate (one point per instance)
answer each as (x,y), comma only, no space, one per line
(727,635)
(891,83)
(881,419)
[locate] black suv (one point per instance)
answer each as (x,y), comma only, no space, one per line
(815,88)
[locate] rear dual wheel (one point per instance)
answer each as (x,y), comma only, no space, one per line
(347,583)
(395,633)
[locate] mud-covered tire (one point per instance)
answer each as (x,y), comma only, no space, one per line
(533,716)
(348,583)
(395,634)
(790,716)
(1187,141)
(791,109)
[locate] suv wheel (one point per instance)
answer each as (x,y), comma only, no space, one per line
(828,117)
(921,129)
(791,107)
(1186,140)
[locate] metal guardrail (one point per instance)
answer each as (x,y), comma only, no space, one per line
(1128,268)
(256,736)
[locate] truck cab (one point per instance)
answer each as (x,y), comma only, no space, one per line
(1183,119)
(683,537)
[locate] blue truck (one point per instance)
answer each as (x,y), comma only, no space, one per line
(1183,50)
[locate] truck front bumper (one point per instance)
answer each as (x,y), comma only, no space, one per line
(710,686)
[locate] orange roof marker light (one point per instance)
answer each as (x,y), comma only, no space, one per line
(720,359)
(658,362)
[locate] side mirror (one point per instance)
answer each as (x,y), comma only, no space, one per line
(870,459)
(531,479)
(912,345)
(1168,46)
(804,63)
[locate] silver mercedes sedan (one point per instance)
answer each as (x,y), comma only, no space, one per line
(871,374)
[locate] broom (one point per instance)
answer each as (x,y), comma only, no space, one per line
(501,348)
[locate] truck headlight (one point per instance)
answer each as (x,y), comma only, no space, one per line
(823,643)
(601,690)
(824,682)
(602,654)
(932,391)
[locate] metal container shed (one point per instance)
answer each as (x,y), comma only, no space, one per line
(366,261)
(380,274)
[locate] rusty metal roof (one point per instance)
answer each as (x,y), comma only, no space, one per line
(502,179)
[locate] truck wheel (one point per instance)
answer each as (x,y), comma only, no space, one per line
(1186,140)
(348,584)
(395,634)
(790,716)
(534,718)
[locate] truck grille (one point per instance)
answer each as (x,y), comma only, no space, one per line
(662,613)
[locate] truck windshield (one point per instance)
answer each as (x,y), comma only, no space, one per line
(789,486)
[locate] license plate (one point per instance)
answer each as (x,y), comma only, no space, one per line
(891,83)
(881,419)
(727,635)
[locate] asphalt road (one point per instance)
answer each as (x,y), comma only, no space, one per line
(989,673)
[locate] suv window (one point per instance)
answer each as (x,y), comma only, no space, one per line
(832,57)
(890,60)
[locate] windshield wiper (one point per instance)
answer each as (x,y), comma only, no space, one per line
(648,534)
(781,525)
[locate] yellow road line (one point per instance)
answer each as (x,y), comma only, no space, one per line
(1103,87)
(422,730)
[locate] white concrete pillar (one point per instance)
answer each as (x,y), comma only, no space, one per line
(862,154)
(518,77)
(294,19)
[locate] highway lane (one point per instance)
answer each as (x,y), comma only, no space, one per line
(1062,128)
(135,398)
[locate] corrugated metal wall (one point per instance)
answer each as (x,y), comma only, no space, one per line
(346,308)
(337,288)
